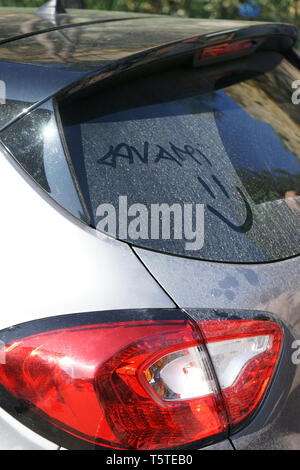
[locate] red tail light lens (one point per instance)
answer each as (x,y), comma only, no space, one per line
(143,384)
(93,382)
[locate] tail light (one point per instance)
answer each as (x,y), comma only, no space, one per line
(227,48)
(139,382)
(245,354)
(226,51)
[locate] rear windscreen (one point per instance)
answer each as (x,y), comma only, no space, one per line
(226,138)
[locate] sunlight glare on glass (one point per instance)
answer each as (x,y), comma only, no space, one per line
(49,131)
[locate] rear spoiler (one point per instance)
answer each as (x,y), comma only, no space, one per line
(197,51)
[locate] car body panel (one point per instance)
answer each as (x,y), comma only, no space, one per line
(273,288)
(60,265)
(109,36)
(51,53)
(36,84)
(16,22)
(51,59)
(87,47)
(16,436)
(19,21)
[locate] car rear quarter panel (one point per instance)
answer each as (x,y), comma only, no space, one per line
(274,288)
(52,265)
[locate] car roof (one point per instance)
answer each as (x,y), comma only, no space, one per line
(16,22)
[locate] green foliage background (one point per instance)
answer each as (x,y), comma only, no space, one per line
(272,10)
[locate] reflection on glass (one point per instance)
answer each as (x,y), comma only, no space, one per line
(269,160)
(198,136)
(34,141)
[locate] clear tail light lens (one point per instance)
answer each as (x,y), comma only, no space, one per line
(182,375)
(245,354)
(142,384)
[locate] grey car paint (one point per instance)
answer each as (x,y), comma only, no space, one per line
(274,288)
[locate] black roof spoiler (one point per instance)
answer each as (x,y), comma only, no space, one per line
(67,84)
(265,36)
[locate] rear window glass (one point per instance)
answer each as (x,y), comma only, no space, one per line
(227,137)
